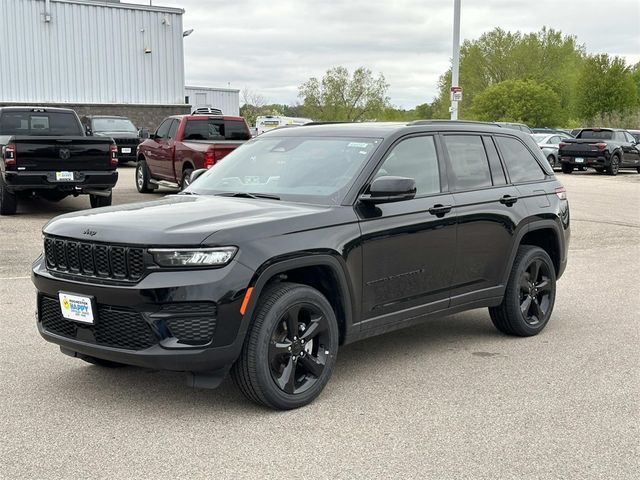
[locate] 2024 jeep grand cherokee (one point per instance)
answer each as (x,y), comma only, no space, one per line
(305,239)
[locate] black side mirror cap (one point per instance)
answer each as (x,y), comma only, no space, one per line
(195,174)
(390,189)
(88,131)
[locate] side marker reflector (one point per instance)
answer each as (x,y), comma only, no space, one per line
(245,302)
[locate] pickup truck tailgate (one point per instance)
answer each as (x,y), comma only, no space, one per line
(585,148)
(68,153)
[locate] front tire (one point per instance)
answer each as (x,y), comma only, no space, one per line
(290,349)
(98,201)
(614,166)
(142,177)
(567,168)
(8,201)
(530,294)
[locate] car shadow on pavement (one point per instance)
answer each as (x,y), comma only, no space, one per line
(153,390)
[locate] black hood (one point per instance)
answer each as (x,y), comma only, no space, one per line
(182,220)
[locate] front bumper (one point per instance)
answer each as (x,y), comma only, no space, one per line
(171,320)
(46,180)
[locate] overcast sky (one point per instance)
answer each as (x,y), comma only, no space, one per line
(273,46)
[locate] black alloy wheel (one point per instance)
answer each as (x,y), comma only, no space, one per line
(535,292)
(530,294)
(297,350)
(290,348)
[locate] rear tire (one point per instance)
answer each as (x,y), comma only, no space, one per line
(8,201)
(142,177)
(530,294)
(98,201)
(614,166)
(290,349)
(186,178)
(566,168)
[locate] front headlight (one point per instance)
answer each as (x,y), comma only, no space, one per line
(193,257)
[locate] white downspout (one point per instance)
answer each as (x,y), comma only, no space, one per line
(47,11)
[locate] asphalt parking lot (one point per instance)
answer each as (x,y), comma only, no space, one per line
(452,398)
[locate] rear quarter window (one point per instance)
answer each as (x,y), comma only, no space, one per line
(521,165)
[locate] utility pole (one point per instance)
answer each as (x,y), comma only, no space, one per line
(456,91)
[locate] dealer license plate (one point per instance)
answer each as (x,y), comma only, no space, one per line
(579,160)
(125,150)
(64,176)
(76,307)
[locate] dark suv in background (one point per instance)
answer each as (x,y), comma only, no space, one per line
(121,129)
(305,239)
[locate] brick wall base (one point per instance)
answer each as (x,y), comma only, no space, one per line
(147,116)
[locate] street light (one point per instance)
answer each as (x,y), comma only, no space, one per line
(456,91)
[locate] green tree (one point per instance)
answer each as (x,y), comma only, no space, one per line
(546,56)
(523,101)
(605,85)
(340,96)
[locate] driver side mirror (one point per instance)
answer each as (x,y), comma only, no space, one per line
(195,174)
(390,189)
(143,133)
(88,131)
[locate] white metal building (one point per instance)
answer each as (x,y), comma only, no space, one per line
(226,99)
(95,54)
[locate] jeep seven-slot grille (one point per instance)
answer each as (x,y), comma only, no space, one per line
(113,328)
(116,262)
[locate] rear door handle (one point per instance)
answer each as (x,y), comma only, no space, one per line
(508,200)
(440,210)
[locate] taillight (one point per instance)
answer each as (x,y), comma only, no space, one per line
(209,159)
(113,154)
(600,146)
(561,193)
(10,154)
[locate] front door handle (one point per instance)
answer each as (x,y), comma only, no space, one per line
(508,200)
(440,210)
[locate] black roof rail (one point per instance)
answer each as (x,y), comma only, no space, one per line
(454,122)
(323,123)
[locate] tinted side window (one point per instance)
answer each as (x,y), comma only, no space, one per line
(414,158)
(163,129)
(497,172)
(173,128)
(521,164)
(468,164)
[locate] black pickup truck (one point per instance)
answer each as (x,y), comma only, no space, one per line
(44,152)
(604,149)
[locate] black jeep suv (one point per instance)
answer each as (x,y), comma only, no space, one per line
(302,240)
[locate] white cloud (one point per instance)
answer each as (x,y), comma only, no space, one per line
(274,46)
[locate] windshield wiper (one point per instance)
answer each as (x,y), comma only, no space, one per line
(249,195)
(187,193)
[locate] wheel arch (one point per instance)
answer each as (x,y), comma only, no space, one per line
(545,234)
(323,272)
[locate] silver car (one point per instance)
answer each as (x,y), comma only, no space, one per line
(549,142)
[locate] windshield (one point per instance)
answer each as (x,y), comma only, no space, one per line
(113,125)
(316,170)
